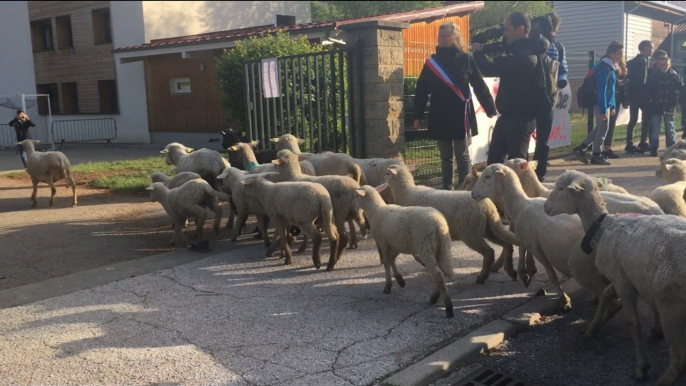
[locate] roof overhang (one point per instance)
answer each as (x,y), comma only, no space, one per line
(656,10)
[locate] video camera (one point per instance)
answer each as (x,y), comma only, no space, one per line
(543,26)
(494,34)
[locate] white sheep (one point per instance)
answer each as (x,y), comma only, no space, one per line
(327,163)
(48,167)
(678,150)
(174,182)
(554,242)
(670,197)
(340,188)
(641,255)
(374,170)
(188,200)
(469,221)
(298,204)
(207,163)
(422,232)
(245,150)
(470,180)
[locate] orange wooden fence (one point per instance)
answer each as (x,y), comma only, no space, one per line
(421,39)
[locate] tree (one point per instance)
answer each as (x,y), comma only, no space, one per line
(494,12)
(341,10)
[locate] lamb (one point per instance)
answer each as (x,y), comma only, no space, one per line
(253,167)
(299,204)
(422,232)
(341,189)
(469,221)
(188,200)
(654,270)
(374,170)
(230,138)
(470,180)
(678,150)
(670,197)
(174,182)
(672,170)
(49,168)
(208,163)
(336,164)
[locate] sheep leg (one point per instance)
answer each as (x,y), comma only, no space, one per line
(353,234)
(262,222)
(440,288)
(530,265)
(387,255)
(53,190)
(342,242)
(419,260)
(565,302)
(241,218)
(608,295)
(232,211)
(303,246)
(480,245)
(217,215)
(70,182)
(629,297)
(35,190)
(674,319)
(282,230)
(396,271)
(656,332)
(178,238)
(311,230)
(200,215)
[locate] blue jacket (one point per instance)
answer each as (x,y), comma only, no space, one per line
(556,51)
(605,81)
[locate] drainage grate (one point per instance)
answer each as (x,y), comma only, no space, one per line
(486,376)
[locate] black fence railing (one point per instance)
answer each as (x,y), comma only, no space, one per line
(82,130)
(311,101)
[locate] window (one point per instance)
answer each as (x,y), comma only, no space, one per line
(50,89)
(285,20)
(102,31)
(64,36)
(109,103)
(70,98)
(181,86)
(41,35)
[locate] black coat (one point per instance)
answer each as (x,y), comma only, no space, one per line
(663,91)
(22,129)
(446,112)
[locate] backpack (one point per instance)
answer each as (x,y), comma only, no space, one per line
(545,87)
(586,96)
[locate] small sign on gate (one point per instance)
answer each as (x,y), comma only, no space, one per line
(271,81)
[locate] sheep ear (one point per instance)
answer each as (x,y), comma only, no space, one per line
(275,140)
(254,142)
(666,165)
(500,172)
(603,182)
(248,181)
(232,148)
(277,162)
(360,192)
(393,170)
(301,141)
(576,187)
(303,157)
(223,132)
(222,176)
(150,188)
(381,188)
(36,140)
(533,164)
(475,172)
(189,149)
(165,151)
(412,168)
(681,145)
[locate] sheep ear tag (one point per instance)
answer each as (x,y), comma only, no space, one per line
(189,149)
(381,188)
(275,140)
(533,164)
(254,143)
(165,151)
(360,192)
(575,186)
(603,182)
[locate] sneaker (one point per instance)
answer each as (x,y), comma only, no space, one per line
(642,148)
(609,154)
(581,153)
(653,153)
(597,159)
(630,149)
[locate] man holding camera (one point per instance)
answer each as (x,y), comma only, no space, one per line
(516,69)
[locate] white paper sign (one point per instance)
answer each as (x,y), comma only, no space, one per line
(560,134)
(271,81)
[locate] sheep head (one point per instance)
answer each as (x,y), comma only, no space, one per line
(678,150)
(490,183)
(367,196)
(288,141)
(470,180)
(672,170)
(568,191)
(400,174)
(159,177)
(157,191)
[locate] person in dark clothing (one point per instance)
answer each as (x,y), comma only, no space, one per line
(447,121)
(21,124)
(663,89)
(516,69)
(544,121)
(637,78)
(621,99)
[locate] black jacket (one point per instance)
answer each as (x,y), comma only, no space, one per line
(446,112)
(638,76)
(516,69)
(22,129)
(663,91)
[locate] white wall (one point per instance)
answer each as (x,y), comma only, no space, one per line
(637,29)
(128,30)
(17,75)
(164,19)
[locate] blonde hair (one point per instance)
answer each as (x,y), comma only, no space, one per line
(455,32)
(623,71)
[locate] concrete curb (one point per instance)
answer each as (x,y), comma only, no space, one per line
(110,273)
(442,362)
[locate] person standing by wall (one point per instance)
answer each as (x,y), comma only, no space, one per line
(636,90)
(452,121)
(606,106)
(21,124)
(516,69)
(664,86)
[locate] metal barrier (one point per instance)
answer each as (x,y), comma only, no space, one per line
(8,137)
(81,130)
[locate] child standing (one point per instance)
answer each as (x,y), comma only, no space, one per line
(664,87)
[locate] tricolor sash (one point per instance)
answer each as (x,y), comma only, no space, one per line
(441,72)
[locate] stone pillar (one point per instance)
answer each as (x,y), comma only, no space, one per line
(378,103)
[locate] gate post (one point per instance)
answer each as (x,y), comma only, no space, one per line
(378,100)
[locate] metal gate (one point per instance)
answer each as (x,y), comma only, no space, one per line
(306,95)
(37,107)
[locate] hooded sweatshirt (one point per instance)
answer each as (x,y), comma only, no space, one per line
(605,81)
(516,69)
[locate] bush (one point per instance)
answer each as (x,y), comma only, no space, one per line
(410,85)
(230,72)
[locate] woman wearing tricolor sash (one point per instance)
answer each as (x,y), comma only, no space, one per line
(446,76)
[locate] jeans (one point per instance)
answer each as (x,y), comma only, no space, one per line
(655,130)
(610,130)
(23,154)
(544,124)
(464,163)
(597,136)
(510,139)
(633,118)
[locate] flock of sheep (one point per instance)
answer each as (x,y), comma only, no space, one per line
(616,245)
